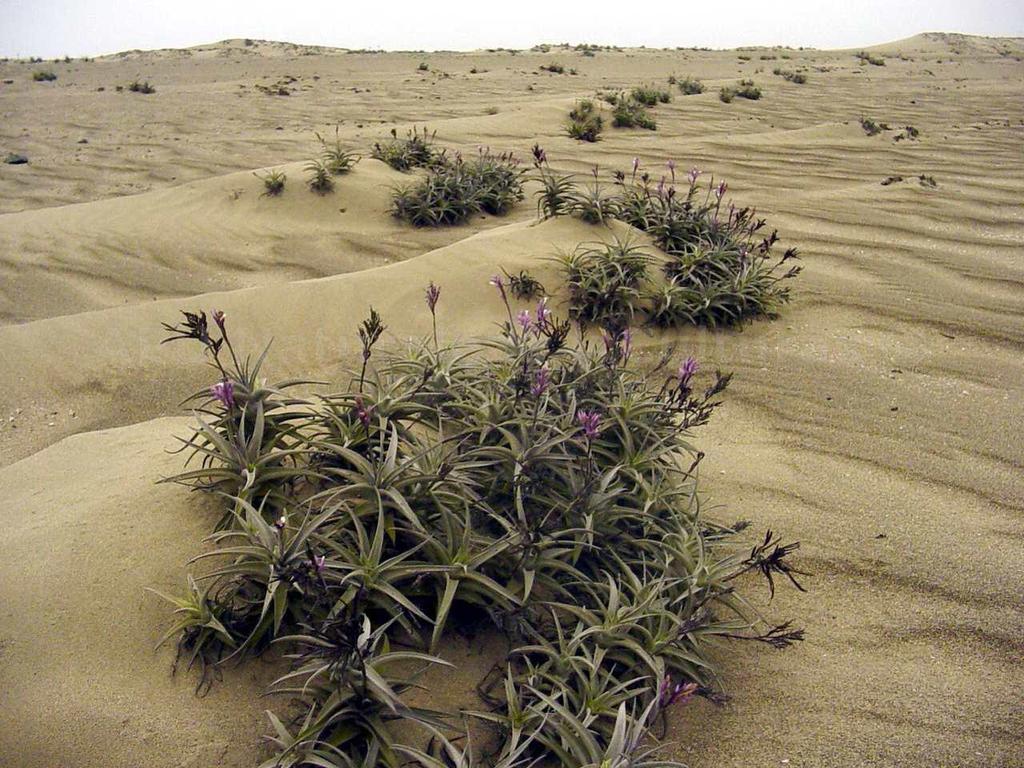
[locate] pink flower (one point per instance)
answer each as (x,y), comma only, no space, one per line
(498,283)
(636,165)
(720,191)
(218,318)
(589,421)
(543,313)
(362,412)
(224,392)
(693,175)
(525,320)
(671,165)
(687,368)
(318,563)
(281,522)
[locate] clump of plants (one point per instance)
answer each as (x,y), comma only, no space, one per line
(554,68)
(44,76)
(717,265)
(870,58)
(455,189)
(319,180)
(605,281)
(871,128)
(334,155)
(144,87)
(650,96)
(273,182)
(423,67)
(523,285)
(690,86)
(746,89)
(416,150)
(628,113)
(524,486)
(794,77)
(909,133)
(585,121)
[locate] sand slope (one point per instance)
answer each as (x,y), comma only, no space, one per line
(877,421)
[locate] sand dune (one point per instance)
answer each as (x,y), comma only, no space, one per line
(877,421)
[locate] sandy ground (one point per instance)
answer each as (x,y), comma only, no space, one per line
(878,421)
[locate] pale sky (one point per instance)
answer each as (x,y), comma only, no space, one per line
(51,28)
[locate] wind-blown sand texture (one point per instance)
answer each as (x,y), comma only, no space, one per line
(878,420)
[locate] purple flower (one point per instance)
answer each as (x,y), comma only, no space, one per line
(362,412)
(218,318)
(687,368)
(525,320)
(720,191)
(281,522)
(636,165)
(693,175)
(224,392)
(498,283)
(661,187)
(543,313)
(540,382)
(626,339)
(433,294)
(589,421)
(318,563)
(671,165)
(669,694)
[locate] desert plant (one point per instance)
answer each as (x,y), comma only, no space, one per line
(136,87)
(416,150)
(650,96)
(747,89)
(544,489)
(319,180)
(870,58)
(871,128)
(273,182)
(523,286)
(794,77)
(632,114)
(334,155)
(605,282)
(423,67)
(726,94)
(454,190)
(44,76)
(554,68)
(585,123)
(691,86)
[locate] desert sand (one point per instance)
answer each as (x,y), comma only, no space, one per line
(878,420)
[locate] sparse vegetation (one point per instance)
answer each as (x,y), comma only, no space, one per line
(628,113)
(794,77)
(44,76)
(690,86)
(273,182)
(334,155)
(454,190)
(524,286)
(870,58)
(416,150)
(746,89)
(136,87)
(650,96)
(871,128)
(423,67)
(585,122)
(319,180)
(554,68)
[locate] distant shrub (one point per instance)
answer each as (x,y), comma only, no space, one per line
(794,77)
(319,180)
(909,133)
(691,86)
(273,182)
(871,128)
(585,123)
(416,150)
(136,87)
(553,67)
(650,96)
(44,76)
(743,57)
(423,67)
(726,94)
(870,58)
(454,190)
(631,114)
(334,155)
(748,90)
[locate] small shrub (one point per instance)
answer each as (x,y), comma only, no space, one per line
(871,128)
(423,67)
(726,94)
(650,96)
(334,155)
(454,190)
(416,150)
(44,76)
(631,114)
(585,123)
(690,86)
(748,90)
(605,282)
(794,77)
(556,194)
(273,182)
(909,133)
(319,180)
(136,87)
(554,68)
(870,58)
(523,285)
